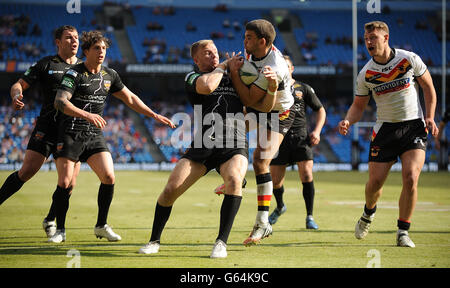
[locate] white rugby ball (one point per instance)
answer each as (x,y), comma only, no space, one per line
(248,72)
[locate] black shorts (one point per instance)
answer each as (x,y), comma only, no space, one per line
(43,138)
(213,157)
(293,149)
(285,119)
(80,146)
(393,139)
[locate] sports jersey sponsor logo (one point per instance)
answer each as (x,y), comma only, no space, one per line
(50,72)
(393,86)
(72,72)
(68,82)
(299,94)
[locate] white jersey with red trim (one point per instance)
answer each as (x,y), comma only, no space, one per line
(275,59)
(393,86)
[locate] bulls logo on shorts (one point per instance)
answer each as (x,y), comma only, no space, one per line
(374,151)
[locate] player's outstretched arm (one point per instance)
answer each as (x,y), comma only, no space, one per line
(63,104)
(429,94)
(16,94)
(135,103)
(354,114)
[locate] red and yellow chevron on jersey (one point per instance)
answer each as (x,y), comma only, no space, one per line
(397,72)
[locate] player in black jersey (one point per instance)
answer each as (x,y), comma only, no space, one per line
(296,148)
(48,73)
(219,143)
(81,97)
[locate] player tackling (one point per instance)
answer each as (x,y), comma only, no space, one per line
(401,128)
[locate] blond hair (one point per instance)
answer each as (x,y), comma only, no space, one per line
(199,44)
(371,26)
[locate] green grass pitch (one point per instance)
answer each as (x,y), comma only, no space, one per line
(190,232)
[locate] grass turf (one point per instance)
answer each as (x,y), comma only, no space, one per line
(190,232)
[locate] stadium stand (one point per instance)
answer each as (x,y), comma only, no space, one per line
(163,34)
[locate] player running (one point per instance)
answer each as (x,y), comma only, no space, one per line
(401,128)
(82,97)
(48,73)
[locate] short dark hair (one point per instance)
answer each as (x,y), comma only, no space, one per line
(57,34)
(263,29)
(90,38)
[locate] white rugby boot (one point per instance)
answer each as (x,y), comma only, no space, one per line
(403,239)
(49,227)
(363,225)
(219,250)
(58,237)
(107,232)
(151,247)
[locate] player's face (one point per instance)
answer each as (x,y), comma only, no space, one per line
(251,42)
(207,58)
(96,53)
(68,44)
(376,42)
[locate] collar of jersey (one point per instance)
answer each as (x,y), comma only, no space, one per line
(393,52)
(259,59)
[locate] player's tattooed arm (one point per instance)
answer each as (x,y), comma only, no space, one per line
(61,99)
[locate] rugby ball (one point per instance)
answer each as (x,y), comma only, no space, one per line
(248,72)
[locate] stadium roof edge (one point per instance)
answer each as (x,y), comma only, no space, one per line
(251,4)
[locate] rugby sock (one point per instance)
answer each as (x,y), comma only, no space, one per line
(162,214)
(368,212)
(403,224)
(104,199)
(61,198)
(278,193)
(228,211)
(264,191)
(308,196)
(11,185)
(52,212)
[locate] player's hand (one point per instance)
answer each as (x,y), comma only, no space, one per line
(97,120)
(271,76)
(431,126)
(165,120)
(314,138)
(17,102)
(343,127)
(234,62)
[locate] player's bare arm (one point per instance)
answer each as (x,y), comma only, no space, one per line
(207,83)
(268,101)
(354,114)
(16,93)
(429,93)
(314,136)
(135,103)
(249,95)
(63,105)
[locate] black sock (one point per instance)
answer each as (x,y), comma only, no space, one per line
(228,211)
(278,193)
(403,225)
(369,211)
(308,196)
(11,185)
(104,199)
(61,198)
(52,212)
(162,214)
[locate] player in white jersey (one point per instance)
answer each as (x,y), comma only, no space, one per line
(401,129)
(258,43)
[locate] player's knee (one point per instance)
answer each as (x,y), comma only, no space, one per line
(410,180)
(108,178)
(65,182)
(233,183)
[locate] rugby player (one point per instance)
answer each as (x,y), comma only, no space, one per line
(209,87)
(258,44)
(296,148)
(81,97)
(48,73)
(391,78)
